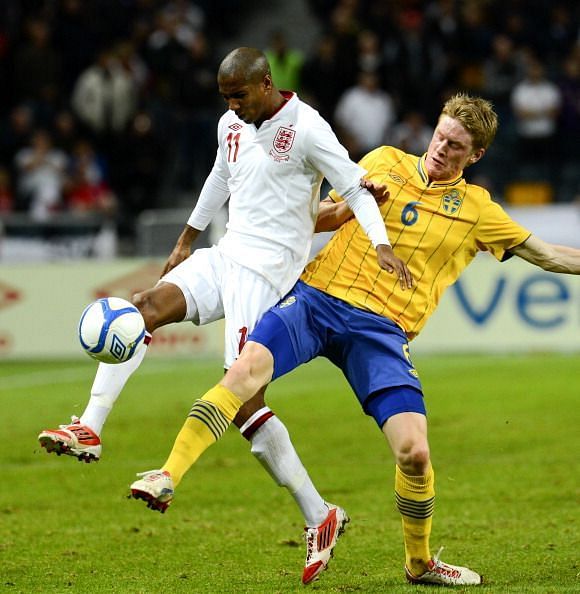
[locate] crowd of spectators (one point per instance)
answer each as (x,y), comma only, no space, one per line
(523,56)
(105,103)
(109,104)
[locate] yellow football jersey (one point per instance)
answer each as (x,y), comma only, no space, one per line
(436,228)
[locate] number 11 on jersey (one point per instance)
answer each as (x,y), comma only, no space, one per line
(233,139)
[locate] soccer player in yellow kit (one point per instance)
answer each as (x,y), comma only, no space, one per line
(347,309)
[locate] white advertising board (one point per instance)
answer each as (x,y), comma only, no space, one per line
(509,306)
(40,306)
(512,306)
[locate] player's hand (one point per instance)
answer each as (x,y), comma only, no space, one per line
(389,262)
(379,191)
(182,249)
(177,256)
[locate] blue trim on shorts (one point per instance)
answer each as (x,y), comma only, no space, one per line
(392,401)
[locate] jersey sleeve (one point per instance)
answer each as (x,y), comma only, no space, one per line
(332,160)
(327,155)
(213,195)
(367,163)
(497,232)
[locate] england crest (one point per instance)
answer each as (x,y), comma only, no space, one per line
(452,202)
(284,139)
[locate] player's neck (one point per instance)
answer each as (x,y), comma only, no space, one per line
(278,100)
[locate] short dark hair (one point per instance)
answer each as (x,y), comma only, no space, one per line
(247,63)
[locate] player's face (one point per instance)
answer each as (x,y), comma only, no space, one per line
(250,101)
(450,150)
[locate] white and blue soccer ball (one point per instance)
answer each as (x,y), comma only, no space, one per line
(111,329)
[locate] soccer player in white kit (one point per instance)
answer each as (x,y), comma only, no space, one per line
(273,153)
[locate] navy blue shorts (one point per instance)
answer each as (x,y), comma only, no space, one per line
(371,350)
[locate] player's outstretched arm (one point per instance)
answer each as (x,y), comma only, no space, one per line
(331,215)
(182,249)
(549,256)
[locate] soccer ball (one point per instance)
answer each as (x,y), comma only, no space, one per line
(110,329)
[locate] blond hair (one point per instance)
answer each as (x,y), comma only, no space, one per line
(476,115)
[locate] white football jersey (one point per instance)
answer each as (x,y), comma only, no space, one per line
(272,176)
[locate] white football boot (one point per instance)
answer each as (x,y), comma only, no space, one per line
(320,542)
(443,574)
(75,440)
(155,488)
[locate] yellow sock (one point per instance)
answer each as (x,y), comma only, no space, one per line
(415,496)
(207,421)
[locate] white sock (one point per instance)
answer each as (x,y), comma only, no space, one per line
(272,446)
(109,381)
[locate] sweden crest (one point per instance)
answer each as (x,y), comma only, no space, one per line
(451,202)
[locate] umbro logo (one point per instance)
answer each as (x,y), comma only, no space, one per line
(235,126)
(287,302)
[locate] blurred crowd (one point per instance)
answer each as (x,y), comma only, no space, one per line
(106,102)
(381,71)
(109,105)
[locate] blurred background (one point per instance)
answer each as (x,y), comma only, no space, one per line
(108,116)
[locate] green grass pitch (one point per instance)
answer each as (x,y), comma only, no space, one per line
(505,442)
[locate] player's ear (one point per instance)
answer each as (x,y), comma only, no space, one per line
(476,156)
(268,83)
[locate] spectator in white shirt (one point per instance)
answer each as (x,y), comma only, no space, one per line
(40,168)
(364,115)
(536,104)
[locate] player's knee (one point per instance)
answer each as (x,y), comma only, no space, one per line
(238,373)
(239,379)
(143,302)
(250,373)
(413,457)
(139,300)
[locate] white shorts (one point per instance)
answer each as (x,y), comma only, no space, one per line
(215,287)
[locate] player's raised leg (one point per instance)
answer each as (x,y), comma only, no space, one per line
(249,369)
(213,413)
(161,305)
(207,421)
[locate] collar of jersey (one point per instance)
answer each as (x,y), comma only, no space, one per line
(439,184)
(288,95)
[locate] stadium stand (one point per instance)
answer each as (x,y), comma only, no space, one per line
(123,94)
